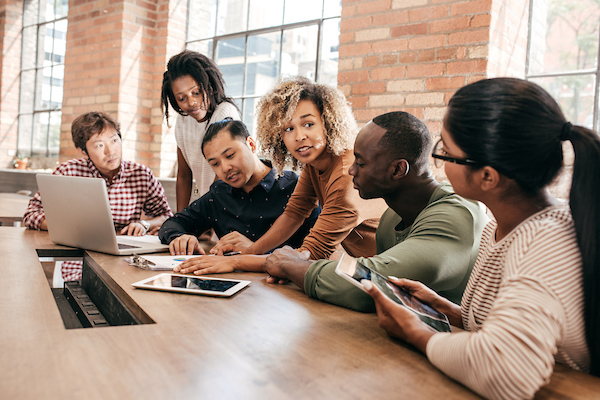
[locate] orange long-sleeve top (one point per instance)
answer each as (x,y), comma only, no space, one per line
(345,218)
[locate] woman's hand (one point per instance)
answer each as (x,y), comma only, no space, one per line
(425,294)
(233,241)
(207,265)
(397,320)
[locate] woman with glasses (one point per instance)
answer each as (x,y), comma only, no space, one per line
(533,296)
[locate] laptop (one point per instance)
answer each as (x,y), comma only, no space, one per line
(78,215)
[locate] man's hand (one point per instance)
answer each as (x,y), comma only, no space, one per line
(207,265)
(185,244)
(233,241)
(134,229)
(287,264)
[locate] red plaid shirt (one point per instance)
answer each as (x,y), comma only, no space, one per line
(133,190)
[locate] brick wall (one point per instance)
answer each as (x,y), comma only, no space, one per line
(116,54)
(412,55)
(11,23)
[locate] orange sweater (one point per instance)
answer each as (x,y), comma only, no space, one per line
(345,218)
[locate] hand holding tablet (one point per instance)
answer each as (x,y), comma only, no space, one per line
(353,271)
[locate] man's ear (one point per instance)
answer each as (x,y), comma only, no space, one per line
(83,152)
(251,143)
(399,168)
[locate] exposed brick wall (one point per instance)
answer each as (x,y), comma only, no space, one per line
(11,24)
(412,55)
(116,54)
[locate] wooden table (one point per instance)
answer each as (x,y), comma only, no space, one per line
(267,342)
(12,207)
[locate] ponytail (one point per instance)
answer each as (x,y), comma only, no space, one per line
(585,208)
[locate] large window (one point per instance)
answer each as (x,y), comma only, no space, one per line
(563,55)
(42,75)
(255,41)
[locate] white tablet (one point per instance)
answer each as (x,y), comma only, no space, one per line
(192,284)
(353,271)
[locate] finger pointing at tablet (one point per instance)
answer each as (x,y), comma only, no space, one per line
(207,265)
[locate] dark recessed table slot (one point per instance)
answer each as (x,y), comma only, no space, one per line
(97,300)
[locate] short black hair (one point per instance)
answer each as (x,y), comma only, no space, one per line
(89,124)
(406,137)
(237,129)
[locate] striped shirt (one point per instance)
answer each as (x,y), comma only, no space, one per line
(132,191)
(522,310)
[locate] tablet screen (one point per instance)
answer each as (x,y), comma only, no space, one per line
(192,284)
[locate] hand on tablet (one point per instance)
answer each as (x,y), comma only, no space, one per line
(397,320)
(207,265)
(184,245)
(233,241)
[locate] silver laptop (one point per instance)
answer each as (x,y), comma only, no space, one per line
(78,215)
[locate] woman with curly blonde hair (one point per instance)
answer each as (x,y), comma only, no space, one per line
(310,125)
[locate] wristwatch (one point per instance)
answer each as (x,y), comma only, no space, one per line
(145,224)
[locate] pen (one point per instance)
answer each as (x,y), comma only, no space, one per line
(232,253)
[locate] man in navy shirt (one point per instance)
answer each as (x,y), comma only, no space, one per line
(248,198)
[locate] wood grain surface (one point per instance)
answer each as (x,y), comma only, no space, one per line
(267,342)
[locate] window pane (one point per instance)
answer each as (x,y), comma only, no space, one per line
(29,46)
(575,94)
(330,41)
(44,44)
(60,41)
(43,89)
(230,59)
(24,136)
(265,13)
(564,36)
(30,13)
(27,92)
(332,8)
(39,141)
(201,19)
(304,10)
(46,10)
(299,51)
(204,47)
(233,15)
(54,133)
(248,116)
(262,63)
(58,75)
(62,9)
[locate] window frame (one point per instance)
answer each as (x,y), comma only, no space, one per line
(560,74)
(37,70)
(281,28)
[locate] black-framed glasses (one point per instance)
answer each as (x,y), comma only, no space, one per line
(439,157)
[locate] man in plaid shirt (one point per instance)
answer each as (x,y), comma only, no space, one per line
(132,188)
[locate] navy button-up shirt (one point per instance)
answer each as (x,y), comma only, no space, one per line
(227,209)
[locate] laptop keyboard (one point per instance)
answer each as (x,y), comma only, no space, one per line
(127,246)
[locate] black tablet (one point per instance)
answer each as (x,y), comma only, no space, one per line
(192,284)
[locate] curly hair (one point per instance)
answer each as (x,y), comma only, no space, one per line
(206,74)
(275,110)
